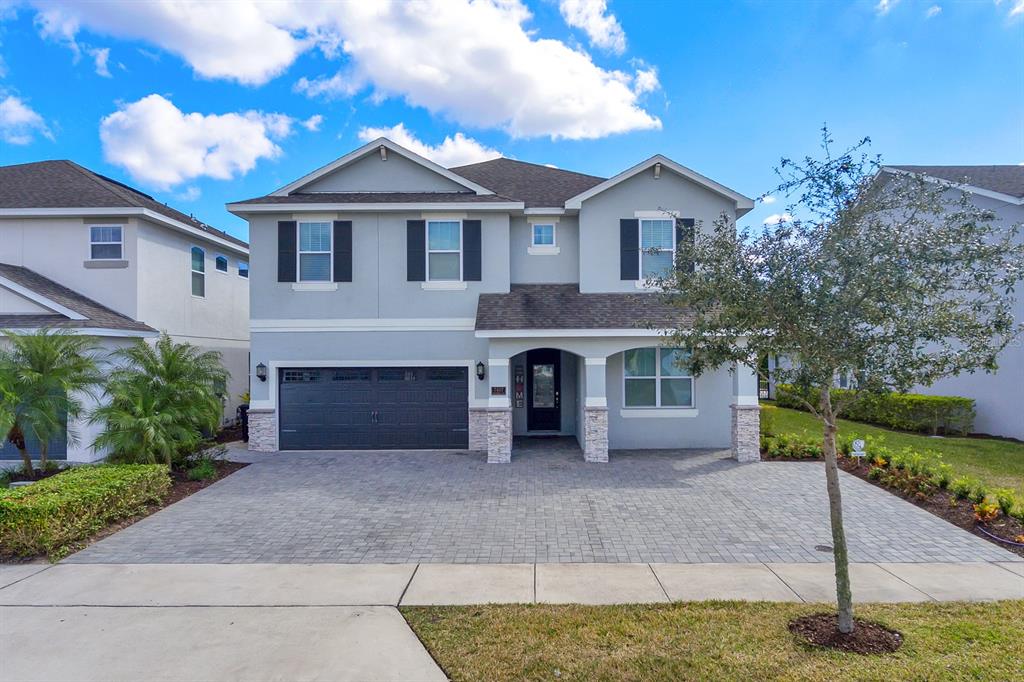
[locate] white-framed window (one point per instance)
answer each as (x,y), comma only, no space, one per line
(444,250)
(657,246)
(315,262)
(106,242)
(220,262)
(243,269)
(198,272)
(543,234)
(653,377)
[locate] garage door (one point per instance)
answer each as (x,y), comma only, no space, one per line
(378,408)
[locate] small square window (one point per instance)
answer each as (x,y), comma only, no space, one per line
(543,235)
(105,242)
(221,263)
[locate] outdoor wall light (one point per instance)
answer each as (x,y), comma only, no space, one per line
(481,371)
(261,372)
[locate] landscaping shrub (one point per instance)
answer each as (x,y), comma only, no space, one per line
(787,445)
(932,414)
(203,471)
(1006,500)
(48,517)
(961,487)
(986,511)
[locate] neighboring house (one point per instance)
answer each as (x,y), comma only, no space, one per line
(399,304)
(81,251)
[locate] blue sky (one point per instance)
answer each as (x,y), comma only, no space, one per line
(203,105)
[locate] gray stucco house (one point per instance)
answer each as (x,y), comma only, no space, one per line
(399,304)
(84,252)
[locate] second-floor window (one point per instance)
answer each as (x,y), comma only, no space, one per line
(657,247)
(314,252)
(543,235)
(198,272)
(221,263)
(444,250)
(243,269)
(106,242)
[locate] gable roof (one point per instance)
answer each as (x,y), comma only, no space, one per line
(63,184)
(533,184)
(1005,180)
(374,147)
(743,203)
(72,310)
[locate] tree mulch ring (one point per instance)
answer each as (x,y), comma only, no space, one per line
(15,475)
(822,629)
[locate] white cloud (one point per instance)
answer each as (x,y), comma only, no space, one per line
(1017,8)
(190,193)
(603,29)
(19,123)
(646,81)
(312,124)
(453,151)
(776,218)
(932,11)
(769,199)
(885,6)
(159,144)
(475,62)
(100,56)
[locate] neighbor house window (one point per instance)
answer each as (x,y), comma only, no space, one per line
(314,252)
(243,269)
(221,263)
(652,377)
(105,242)
(657,247)
(444,250)
(198,272)
(543,235)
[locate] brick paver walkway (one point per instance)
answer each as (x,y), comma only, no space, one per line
(547,506)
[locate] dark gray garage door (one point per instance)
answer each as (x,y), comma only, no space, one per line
(374,408)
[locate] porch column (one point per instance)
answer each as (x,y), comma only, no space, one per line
(499,413)
(746,415)
(595,412)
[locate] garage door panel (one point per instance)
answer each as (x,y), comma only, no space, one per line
(374,408)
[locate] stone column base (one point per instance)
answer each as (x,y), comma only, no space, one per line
(595,424)
(262,430)
(499,436)
(478,429)
(746,433)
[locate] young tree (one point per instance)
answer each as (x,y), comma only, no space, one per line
(162,399)
(894,279)
(48,371)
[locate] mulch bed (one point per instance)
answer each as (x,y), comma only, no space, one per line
(941,503)
(37,474)
(822,629)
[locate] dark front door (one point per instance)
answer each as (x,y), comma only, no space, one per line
(543,390)
(385,408)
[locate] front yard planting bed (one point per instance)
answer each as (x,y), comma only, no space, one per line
(715,641)
(62,513)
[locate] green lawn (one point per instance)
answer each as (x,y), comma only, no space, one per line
(998,463)
(714,641)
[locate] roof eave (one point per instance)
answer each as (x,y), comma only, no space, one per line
(241,210)
(973,189)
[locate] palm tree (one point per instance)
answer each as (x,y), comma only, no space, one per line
(163,398)
(48,371)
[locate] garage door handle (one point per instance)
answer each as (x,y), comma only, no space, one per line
(289,430)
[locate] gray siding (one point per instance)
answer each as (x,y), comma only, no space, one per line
(370,174)
(563,268)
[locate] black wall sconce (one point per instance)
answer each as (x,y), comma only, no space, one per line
(261,372)
(481,371)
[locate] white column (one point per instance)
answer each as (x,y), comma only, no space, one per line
(595,411)
(499,413)
(746,417)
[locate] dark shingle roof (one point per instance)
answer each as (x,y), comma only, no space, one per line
(562,306)
(97,316)
(531,183)
(377,198)
(1004,179)
(65,184)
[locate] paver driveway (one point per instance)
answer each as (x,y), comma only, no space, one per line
(546,506)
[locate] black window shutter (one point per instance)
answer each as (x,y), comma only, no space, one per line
(471,250)
(629,248)
(286,236)
(685,234)
(342,250)
(416,250)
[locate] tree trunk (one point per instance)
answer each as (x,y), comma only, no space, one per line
(844,595)
(42,454)
(17,439)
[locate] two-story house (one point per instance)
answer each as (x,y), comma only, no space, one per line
(399,304)
(84,252)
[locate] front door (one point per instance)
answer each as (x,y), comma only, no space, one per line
(543,390)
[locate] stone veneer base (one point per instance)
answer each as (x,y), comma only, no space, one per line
(595,423)
(746,433)
(262,430)
(478,429)
(499,436)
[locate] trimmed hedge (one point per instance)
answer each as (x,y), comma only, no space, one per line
(933,414)
(50,516)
